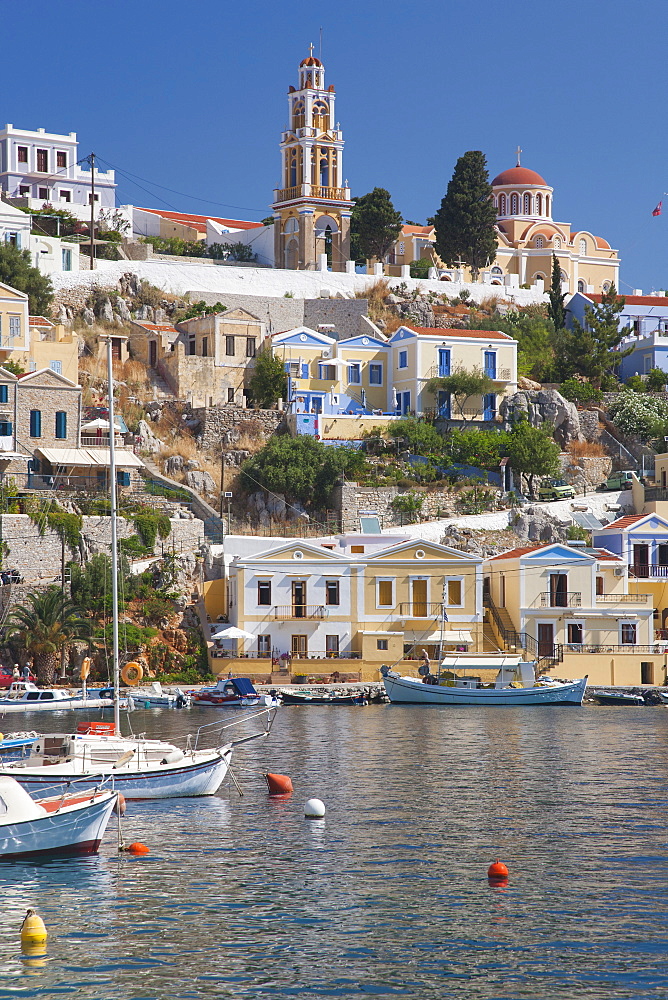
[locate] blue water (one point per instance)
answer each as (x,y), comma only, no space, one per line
(388,895)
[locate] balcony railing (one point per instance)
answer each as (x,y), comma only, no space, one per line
(623,598)
(420,609)
(571,599)
(312,191)
(604,647)
(644,572)
(442,371)
(93,441)
(296,611)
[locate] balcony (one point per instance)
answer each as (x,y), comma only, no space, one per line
(645,571)
(624,598)
(419,609)
(442,371)
(313,191)
(567,599)
(93,441)
(295,612)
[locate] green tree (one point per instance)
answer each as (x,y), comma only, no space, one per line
(420,268)
(47,625)
(479,447)
(532,452)
(268,382)
(462,385)
(592,350)
(14,367)
(232,251)
(641,415)
(300,468)
(656,380)
(465,222)
(16,270)
(421,437)
(556,307)
(374,225)
(579,391)
(202,309)
(533,330)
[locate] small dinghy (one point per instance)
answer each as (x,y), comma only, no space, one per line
(618,698)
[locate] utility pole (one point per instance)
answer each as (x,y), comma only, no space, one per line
(91,160)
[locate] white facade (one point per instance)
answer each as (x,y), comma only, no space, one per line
(50,254)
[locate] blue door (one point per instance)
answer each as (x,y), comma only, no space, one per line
(443,362)
(443,404)
(405,403)
(489,406)
(490,364)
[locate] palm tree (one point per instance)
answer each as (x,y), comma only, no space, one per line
(49,623)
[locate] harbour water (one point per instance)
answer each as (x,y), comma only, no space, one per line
(388,895)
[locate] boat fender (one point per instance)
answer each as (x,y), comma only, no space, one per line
(172,757)
(132,673)
(120,806)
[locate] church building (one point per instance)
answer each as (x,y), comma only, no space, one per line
(527,238)
(312,207)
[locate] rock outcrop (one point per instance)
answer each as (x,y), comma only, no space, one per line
(546,406)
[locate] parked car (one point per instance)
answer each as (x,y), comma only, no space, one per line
(556,489)
(619,480)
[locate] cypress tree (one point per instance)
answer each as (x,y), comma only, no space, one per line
(374,225)
(556,310)
(465,222)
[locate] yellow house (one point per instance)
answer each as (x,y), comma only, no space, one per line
(359,600)
(422,353)
(54,347)
(14,323)
(570,607)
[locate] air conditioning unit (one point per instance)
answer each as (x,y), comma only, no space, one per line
(327,353)
(619,571)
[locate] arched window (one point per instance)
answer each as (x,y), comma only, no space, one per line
(547,205)
(298,115)
(539,243)
(292,168)
(514,204)
(583,248)
(496,270)
(564,276)
(539,204)
(527,204)
(582,286)
(320,115)
(324,168)
(556,243)
(502,204)
(291,225)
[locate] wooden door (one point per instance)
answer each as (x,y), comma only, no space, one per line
(558,590)
(546,640)
(299,598)
(419,597)
(152,353)
(299,645)
(641,560)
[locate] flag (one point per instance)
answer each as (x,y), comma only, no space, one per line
(657,210)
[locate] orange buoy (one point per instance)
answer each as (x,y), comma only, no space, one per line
(497,871)
(279,784)
(138,848)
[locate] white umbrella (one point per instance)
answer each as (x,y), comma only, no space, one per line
(232,632)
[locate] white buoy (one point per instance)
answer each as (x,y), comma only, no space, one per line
(314,809)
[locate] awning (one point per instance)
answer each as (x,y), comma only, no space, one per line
(454,635)
(457,635)
(89,457)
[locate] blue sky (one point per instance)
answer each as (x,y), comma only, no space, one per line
(192,96)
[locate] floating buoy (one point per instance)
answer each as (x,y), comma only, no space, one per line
(138,848)
(33,931)
(314,809)
(279,784)
(497,872)
(120,807)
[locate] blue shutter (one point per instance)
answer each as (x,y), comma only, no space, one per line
(4,393)
(304,369)
(123,478)
(5,428)
(443,362)
(61,424)
(286,366)
(490,364)
(35,423)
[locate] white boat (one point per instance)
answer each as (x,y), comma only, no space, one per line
(155,697)
(24,696)
(233,692)
(68,823)
(458,684)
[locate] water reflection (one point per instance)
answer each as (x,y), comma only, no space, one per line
(388,895)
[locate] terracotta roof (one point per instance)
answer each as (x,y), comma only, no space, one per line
(516,553)
(198,222)
(624,522)
(636,300)
(39,321)
(445,332)
(602,244)
(604,554)
(424,230)
(310,61)
(519,175)
(159,327)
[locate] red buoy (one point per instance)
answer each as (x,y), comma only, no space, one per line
(497,871)
(279,784)
(138,848)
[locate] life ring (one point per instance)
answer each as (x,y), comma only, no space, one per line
(85,668)
(132,673)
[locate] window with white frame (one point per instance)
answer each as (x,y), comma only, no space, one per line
(539,243)
(575,633)
(454,592)
(628,633)
(56,366)
(583,247)
(14,327)
(556,242)
(375,374)
(354,373)
(332,593)
(384,592)
(402,248)
(264,593)
(403,359)
(527,204)
(65,195)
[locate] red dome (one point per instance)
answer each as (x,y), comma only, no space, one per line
(519,175)
(310,61)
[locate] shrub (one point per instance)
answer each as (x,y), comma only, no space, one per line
(420,268)
(580,392)
(641,415)
(409,504)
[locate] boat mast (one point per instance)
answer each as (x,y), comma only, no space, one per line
(114,544)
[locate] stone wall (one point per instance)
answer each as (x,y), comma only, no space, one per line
(220,424)
(38,557)
(585,473)
(287,313)
(350,499)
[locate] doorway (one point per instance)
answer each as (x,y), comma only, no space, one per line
(558,590)
(299,646)
(641,560)
(299,599)
(546,639)
(419,597)
(152,353)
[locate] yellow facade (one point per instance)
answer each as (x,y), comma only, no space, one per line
(14,323)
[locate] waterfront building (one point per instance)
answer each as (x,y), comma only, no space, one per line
(570,607)
(312,204)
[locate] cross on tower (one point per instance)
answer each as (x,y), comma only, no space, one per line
(518,151)
(311,49)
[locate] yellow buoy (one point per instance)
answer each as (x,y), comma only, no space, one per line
(33,957)
(33,931)
(85,668)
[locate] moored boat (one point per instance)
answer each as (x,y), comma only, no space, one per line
(233,692)
(618,698)
(71,822)
(459,683)
(327,698)
(23,696)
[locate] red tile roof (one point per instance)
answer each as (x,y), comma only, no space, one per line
(637,300)
(198,222)
(519,175)
(516,553)
(423,230)
(603,554)
(159,327)
(444,332)
(39,321)
(624,522)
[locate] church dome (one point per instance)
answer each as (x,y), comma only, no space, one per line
(519,175)
(310,61)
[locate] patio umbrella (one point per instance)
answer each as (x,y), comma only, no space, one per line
(232,632)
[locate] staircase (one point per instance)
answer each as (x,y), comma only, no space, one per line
(159,386)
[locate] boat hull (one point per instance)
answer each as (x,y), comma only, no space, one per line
(77,831)
(197,774)
(408,691)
